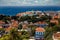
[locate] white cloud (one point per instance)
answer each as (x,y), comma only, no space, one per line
(46,0)
(36,1)
(29,2)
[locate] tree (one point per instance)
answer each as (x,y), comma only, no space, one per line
(14,34)
(25,35)
(32,29)
(48,33)
(20,26)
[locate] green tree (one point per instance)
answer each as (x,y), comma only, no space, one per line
(48,33)
(14,34)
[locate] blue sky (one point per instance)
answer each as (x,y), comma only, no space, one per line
(29,2)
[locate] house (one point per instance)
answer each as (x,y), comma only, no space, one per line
(14,23)
(56,36)
(5,25)
(41,24)
(0,26)
(1,23)
(20,14)
(24,27)
(55,16)
(59,14)
(8,28)
(51,13)
(32,38)
(54,21)
(24,14)
(39,33)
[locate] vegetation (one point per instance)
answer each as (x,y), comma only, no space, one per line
(14,34)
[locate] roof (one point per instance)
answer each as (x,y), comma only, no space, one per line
(54,21)
(56,16)
(22,14)
(40,29)
(14,23)
(57,35)
(0,26)
(1,22)
(8,29)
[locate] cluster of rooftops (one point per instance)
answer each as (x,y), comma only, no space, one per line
(41,24)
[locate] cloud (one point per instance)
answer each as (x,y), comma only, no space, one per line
(36,1)
(29,2)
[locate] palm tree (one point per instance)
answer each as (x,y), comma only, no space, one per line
(14,35)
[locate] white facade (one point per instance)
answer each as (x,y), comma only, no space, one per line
(56,38)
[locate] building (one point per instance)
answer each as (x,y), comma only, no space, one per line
(7,30)
(56,16)
(24,27)
(24,14)
(1,23)
(39,33)
(5,25)
(32,38)
(59,14)
(51,13)
(0,26)
(14,23)
(54,21)
(56,36)
(41,24)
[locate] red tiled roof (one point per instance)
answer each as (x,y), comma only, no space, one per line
(54,21)
(8,29)
(40,29)
(55,16)
(0,26)
(1,22)
(21,14)
(14,23)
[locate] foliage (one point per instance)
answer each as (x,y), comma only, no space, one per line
(14,35)
(48,33)
(32,29)
(20,26)
(25,35)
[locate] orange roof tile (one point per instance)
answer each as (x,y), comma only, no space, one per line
(1,22)
(54,21)
(55,16)
(14,23)
(0,26)
(21,14)
(8,29)
(28,12)
(40,29)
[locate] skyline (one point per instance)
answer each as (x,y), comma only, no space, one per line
(29,2)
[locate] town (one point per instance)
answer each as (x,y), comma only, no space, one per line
(30,25)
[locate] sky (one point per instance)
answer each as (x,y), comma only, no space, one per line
(29,2)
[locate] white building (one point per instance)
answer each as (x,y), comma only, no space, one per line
(56,36)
